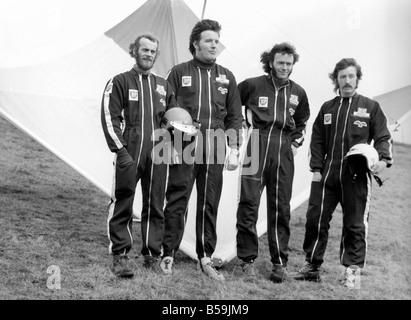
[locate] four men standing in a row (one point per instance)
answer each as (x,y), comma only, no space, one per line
(275,118)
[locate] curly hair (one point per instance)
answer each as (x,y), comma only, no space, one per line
(135,45)
(341,65)
(201,26)
(284,48)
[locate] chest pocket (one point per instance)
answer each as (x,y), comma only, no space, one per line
(219,96)
(360,125)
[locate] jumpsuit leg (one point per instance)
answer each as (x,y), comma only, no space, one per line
(209,186)
(356,207)
(321,205)
(120,209)
(279,189)
(152,217)
(247,213)
(180,184)
(247,216)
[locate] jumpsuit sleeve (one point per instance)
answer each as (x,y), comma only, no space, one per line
(171,97)
(234,118)
(173,80)
(301,116)
(381,135)
(111,115)
(317,151)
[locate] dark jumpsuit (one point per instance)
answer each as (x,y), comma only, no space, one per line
(209,93)
(131,110)
(277,115)
(340,124)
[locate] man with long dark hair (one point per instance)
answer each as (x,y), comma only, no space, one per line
(277,111)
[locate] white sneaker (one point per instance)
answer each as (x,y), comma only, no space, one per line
(166,265)
(212,272)
(352,277)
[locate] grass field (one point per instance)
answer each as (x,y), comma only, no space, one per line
(51,216)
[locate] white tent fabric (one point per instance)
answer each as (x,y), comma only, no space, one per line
(396,105)
(58,104)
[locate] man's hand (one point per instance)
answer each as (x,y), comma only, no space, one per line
(317,176)
(378,167)
(123,157)
(294,149)
(232,160)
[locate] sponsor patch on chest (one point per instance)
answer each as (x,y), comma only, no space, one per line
(186,81)
(327,118)
(360,124)
(133,95)
(222,78)
(362,113)
(223,90)
(294,100)
(262,102)
(160,89)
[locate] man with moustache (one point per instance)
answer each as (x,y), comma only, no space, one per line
(342,124)
(131,110)
(276,111)
(209,93)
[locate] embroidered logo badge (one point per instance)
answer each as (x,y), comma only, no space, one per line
(360,124)
(222,78)
(109,88)
(223,90)
(362,113)
(133,95)
(160,89)
(327,118)
(294,99)
(263,102)
(186,81)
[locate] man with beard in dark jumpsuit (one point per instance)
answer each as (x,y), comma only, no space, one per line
(209,93)
(343,122)
(277,111)
(132,106)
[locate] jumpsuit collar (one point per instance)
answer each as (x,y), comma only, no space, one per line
(351,97)
(142,72)
(278,83)
(202,64)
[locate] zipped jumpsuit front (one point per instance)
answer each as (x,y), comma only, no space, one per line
(131,110)
(340,124)
(209,93)
(276,114)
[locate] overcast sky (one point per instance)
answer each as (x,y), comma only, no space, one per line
(375,32)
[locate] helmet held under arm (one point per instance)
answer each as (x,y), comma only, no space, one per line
(179,119)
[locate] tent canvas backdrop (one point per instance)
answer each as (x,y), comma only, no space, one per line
(398,112)
(58,104)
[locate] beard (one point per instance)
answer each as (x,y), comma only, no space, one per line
(144,64)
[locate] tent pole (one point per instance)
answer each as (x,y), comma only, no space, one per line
(204,7)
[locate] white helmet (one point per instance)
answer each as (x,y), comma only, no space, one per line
(365,151)
(178,118)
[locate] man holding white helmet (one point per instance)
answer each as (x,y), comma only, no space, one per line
(208,91)
(341,128)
